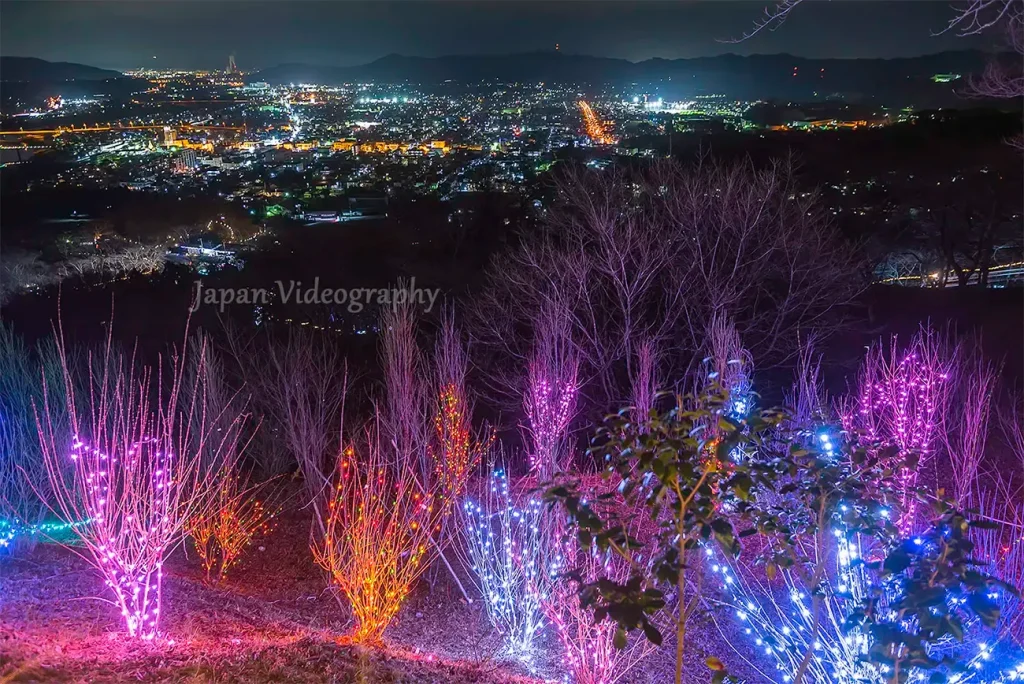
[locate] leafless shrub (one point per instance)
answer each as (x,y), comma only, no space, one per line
(299,382)
(407,392)
(657,256)
(729,363)
(968,426)
(807,399)
(645,381)
(1001,546)
(1011,423)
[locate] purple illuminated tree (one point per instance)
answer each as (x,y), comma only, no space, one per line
(145,457)
(902,397)
(551,394)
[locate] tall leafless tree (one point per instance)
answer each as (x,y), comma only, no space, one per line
(299,382)
(407,395)
(656,256)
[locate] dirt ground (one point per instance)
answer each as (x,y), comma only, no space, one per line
(272,620)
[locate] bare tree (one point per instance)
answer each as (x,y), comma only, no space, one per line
(807,399)
(730,364)
(645,379)
(26,374)
(972,18)
(968,430)
(970,230)
(140,258)
(299,382)
(205,374)
(406,416)
(1002,79)
(20,269)
(657,256)
(1011,423)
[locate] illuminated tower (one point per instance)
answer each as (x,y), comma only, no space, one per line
(170,135)
(232,67)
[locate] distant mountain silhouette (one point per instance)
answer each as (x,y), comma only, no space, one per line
(32,69)
(734,75)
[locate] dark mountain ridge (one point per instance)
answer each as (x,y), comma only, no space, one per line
(754,76)
(34,69)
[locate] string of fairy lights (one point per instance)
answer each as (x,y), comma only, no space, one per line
(14,528)
(549,410)
(783,630)
(507,550)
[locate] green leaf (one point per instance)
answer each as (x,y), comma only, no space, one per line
(652,633)
(619,640)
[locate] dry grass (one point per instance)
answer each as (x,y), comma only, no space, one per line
(270,621)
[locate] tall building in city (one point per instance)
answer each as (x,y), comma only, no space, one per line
(232,67)
(170,135)
(185,161)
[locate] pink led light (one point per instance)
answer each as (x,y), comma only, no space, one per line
(550,405)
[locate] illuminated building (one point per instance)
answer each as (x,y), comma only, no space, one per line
(170,135)
(321,216)
(186,161)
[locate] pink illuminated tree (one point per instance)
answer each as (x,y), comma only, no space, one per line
(902,400)
(144,458)
(591,655)
(551,394)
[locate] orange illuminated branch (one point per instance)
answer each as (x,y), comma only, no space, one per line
(224,530)
(379,532)
(459,453)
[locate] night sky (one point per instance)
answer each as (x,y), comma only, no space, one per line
(193,34)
